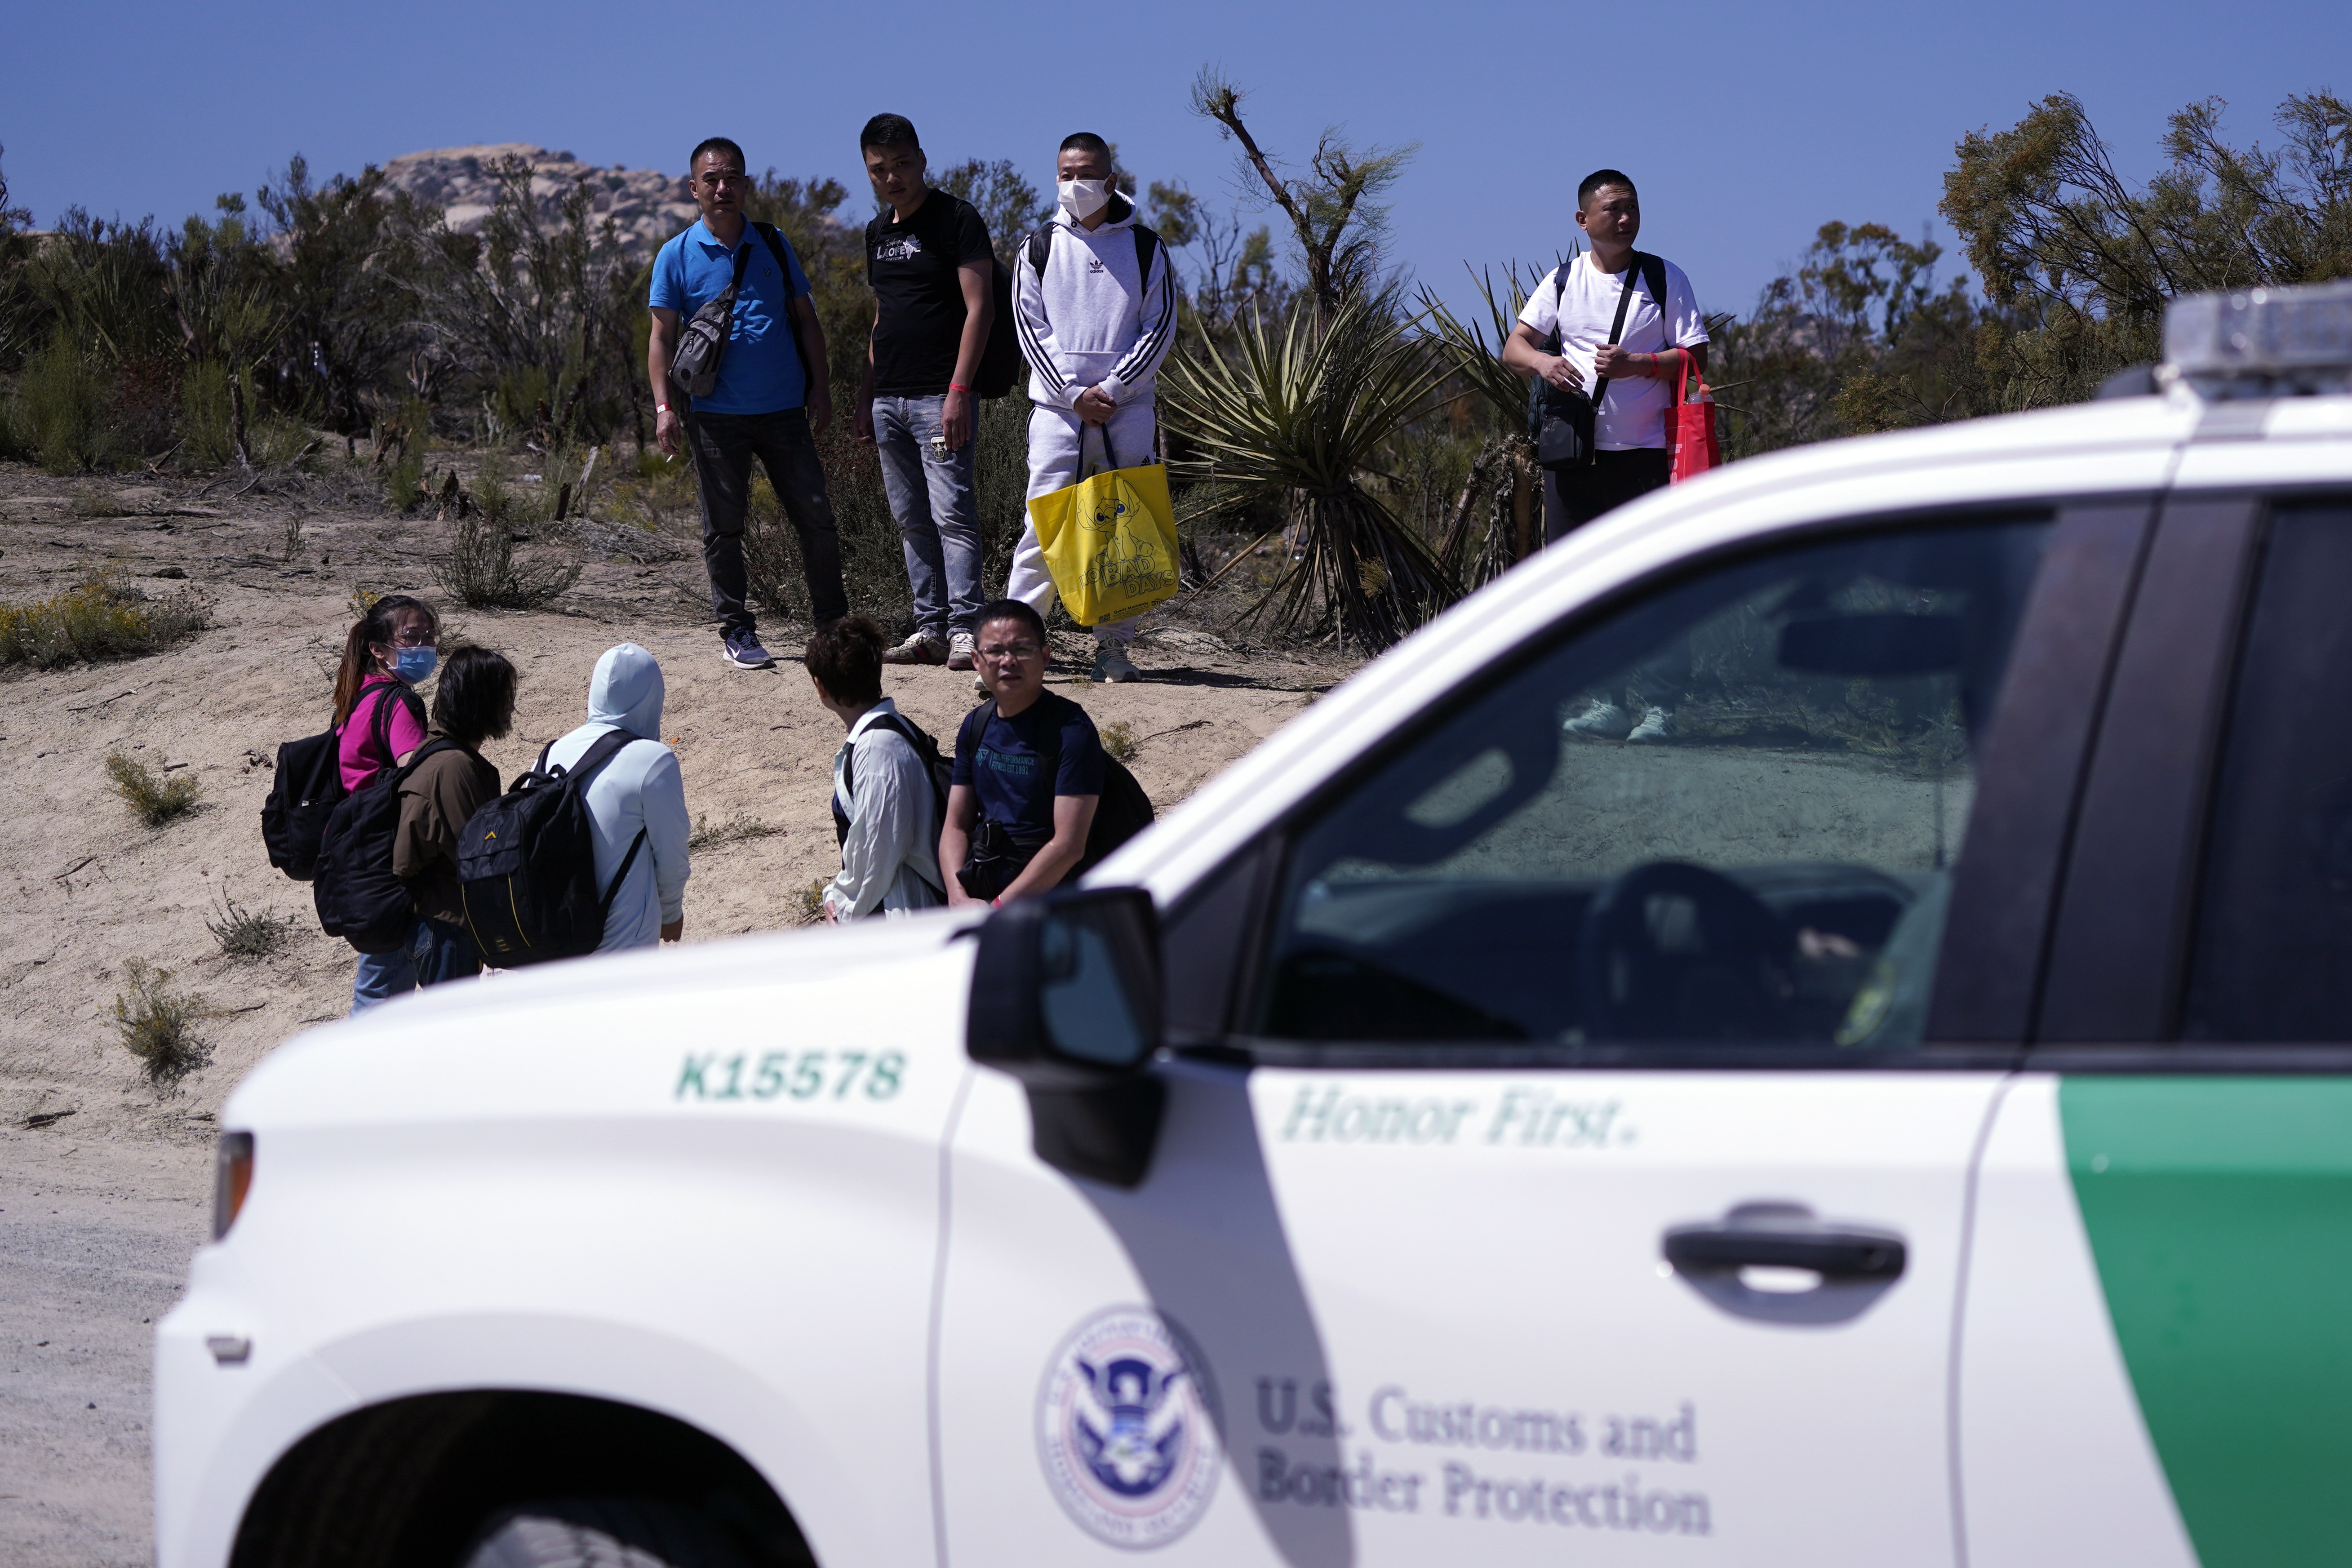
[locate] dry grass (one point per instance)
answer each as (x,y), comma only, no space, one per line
(734,830)
(813,904)
(481,570)
(153,796)
(1119,741)
(159,1025)
(101,618)
(248,933)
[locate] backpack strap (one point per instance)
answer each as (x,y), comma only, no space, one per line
(768,232)
(1039,244)
(379,720)
(1616,330)
(1147,245)
(605,904)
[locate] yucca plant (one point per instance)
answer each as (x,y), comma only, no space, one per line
(1473,350)
(1302,410)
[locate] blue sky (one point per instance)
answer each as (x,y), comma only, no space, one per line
(1748,126)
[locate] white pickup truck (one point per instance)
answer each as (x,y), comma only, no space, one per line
(1903,1118)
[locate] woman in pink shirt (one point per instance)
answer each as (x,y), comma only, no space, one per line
(380,719)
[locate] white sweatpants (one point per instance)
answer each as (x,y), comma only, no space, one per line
(1053,443)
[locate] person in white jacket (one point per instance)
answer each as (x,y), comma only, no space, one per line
(639,789)
(1095,323)
(885,805)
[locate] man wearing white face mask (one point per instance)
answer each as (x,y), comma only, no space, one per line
(1095,304)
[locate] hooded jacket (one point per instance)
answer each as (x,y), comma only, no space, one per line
(1091,320)
(640,787)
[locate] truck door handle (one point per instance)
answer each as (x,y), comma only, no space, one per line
(1850,1267)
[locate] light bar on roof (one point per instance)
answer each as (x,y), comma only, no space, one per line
(2297,338)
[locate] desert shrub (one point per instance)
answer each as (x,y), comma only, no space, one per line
(404,487)
(159,1025)
(481,568)
(734,830)
(61,401)
(497,502)
(248,933)
(154,797)
(813,904)
(204,415)
(1119,741)
(98,619)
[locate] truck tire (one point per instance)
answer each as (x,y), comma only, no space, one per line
(602,1532)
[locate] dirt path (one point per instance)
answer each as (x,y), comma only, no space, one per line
(104,1179)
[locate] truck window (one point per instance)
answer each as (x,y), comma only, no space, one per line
(1727,812)
(2272,956)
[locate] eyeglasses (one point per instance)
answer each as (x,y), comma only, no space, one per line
(413,637)
(1010,650)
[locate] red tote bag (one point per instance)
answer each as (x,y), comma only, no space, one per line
(1690,427)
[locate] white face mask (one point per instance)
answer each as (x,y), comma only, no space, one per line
(1083,198)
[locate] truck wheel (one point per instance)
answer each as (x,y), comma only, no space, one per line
(602,1532)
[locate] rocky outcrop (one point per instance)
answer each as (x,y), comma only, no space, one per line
(645,206)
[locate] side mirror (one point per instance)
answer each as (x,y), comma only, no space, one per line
(1874,645)
(1066,998)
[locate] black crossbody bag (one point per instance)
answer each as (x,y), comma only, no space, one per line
(702,342)
(1565,420)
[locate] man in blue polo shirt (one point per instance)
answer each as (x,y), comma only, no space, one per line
(771,398)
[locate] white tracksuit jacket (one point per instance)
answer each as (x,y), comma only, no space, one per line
(1091,320)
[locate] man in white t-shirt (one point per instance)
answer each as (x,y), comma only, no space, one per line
(1579,301)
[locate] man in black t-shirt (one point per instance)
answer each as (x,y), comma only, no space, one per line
(928,263)
(1028,771)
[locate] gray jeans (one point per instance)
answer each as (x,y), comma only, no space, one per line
(933,498)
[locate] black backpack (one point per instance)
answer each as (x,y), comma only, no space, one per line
(1036,247)
(309,785)
(1121,810)
(357,896)
(527,864)
(926,751)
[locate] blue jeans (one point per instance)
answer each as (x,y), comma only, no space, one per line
(932,495)
(436,951)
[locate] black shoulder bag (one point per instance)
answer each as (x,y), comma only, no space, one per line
(702,345)
(1564,419)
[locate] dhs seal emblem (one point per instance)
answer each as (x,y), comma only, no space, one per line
(1126,1429)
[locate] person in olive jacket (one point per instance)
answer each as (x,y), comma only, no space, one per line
(475,703)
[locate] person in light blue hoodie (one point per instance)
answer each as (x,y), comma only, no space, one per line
(639,789)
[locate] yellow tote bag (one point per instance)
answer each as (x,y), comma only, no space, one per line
(1109,542)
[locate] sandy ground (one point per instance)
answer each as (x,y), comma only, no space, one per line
(104,1179)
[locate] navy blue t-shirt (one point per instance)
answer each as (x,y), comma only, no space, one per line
(1010,763)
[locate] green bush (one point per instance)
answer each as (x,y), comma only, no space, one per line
(481,570)
(159,1025)
(98,619)
(155,798)
(248,933)
(204,415)
(62,401)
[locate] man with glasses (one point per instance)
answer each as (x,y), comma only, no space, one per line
(771,399)
(1028,771)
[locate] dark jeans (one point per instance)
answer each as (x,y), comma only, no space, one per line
(723,447)
(1574,497)
(436,951)
(442,951)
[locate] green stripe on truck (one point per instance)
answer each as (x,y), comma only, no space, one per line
(2220,1210)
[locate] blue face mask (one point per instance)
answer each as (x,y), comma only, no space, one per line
(413,664)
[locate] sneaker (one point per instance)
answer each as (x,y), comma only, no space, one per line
(1602,721)
(979,686)
(1656,728)
(1112,663)
(959,651)
(920,647)
(741,648)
